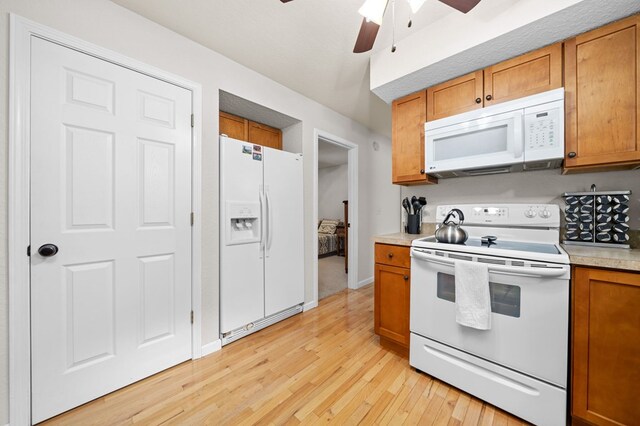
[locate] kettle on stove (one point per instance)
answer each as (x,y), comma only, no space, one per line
(450,232)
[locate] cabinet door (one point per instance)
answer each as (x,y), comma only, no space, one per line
(602,92)
(264,135)
(461,94)
(391,307)
(233,126)
(525,75)
(606,346)
(408,118)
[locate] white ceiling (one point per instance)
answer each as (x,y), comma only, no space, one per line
(331,155)
(305,45)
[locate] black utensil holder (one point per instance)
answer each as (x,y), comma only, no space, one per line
(413,224)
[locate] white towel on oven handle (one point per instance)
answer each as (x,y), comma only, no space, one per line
(473,298)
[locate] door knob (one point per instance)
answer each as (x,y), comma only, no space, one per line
(48,250)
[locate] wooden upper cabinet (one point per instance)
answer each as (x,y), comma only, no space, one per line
(245,130)
(452,97)
(408,118)
(602,89)
(264,135)
(233,126)
(528,74)
(605,346)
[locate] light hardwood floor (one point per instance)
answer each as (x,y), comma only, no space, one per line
(324,365)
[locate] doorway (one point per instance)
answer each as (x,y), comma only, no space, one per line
(335,219)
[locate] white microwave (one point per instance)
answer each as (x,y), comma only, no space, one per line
(524,134)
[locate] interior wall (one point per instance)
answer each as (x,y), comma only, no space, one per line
(544,186)
(332,191)
(110,26)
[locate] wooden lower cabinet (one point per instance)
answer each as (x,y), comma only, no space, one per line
(391,298)
(605,347)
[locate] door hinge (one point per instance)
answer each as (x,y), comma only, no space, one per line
(192,120)
(193,218)
(191,317)
(29,251)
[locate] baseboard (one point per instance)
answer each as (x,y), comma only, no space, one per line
(212,347)
(309,305)
(364,282)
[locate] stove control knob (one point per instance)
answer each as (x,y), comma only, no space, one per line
(545,214)
(530,213)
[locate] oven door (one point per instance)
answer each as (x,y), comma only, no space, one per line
(529,304)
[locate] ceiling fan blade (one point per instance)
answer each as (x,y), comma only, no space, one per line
(462,5)
(285,1)
(366,36)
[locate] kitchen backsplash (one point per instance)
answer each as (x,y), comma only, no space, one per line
(545,186)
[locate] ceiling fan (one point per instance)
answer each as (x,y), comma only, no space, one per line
(373,11)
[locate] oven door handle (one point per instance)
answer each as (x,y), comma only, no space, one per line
(513,270)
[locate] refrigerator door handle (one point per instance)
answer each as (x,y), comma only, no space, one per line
(269,220)
(262,222)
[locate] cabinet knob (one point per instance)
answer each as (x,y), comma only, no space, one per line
(390,255)
(406,277)
(421,171)
(478,100)
(572,155)
(489,97)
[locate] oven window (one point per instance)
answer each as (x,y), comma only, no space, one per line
(505,298)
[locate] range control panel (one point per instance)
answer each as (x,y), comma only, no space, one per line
(547,215)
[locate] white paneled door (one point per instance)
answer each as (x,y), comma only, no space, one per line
(111,191)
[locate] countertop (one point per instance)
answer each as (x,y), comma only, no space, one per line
(404,239)
(601,257)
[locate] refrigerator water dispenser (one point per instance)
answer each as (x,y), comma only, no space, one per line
(244,222)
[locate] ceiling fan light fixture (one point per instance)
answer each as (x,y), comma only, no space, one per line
(373,10)
(415,5)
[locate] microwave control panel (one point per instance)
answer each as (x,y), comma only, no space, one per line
(542,129)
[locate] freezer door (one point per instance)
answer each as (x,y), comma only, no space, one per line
(284,263)
(241,256)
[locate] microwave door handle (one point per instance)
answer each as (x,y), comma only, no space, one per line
(496,269)
(518,134)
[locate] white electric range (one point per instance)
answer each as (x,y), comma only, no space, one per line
(520,364)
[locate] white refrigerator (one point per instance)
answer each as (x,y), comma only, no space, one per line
(261,237)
